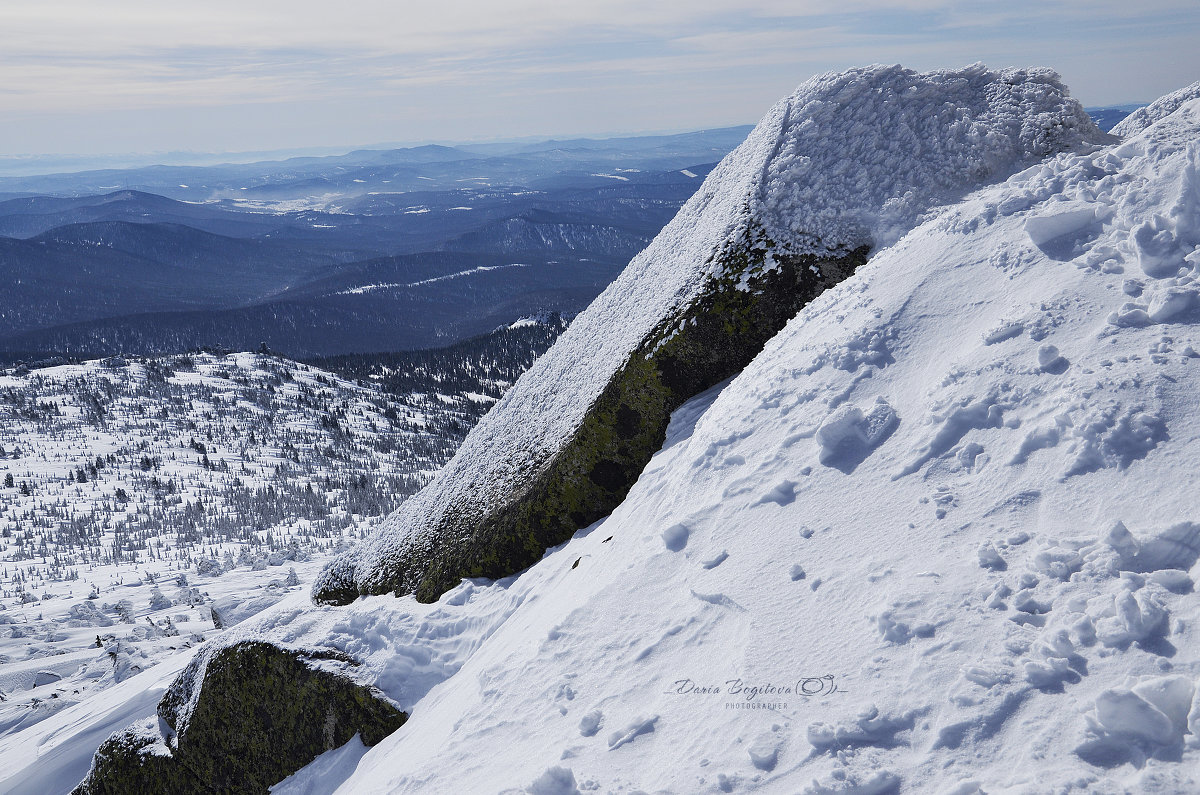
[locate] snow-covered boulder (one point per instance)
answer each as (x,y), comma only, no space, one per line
(845,165)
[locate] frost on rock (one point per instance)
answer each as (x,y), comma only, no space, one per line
(849,162)
(916,140)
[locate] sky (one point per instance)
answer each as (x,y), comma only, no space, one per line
(127,76)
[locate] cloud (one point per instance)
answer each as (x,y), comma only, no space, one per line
(77,57)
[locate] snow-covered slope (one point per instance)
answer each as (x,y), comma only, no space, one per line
(851,159)
(961,486)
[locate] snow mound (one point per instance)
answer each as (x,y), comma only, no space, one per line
(851,159)
(1160,108)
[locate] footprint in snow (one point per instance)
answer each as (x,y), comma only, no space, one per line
(1051,361)
(784,493)
(590,723)
(847,436)
(719,599)
(675,537)
(764,751)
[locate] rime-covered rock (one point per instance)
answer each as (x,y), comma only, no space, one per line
(845,165)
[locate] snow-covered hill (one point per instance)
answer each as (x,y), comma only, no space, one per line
(940,536)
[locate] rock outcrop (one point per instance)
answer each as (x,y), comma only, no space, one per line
(846,164)
(239,719)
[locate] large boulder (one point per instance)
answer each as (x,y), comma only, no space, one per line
(239,719)
(843,166)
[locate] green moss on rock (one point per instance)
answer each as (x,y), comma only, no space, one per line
(240,720)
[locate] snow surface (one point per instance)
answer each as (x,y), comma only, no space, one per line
(55,755)
(849,159)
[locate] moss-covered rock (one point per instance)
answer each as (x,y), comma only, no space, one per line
(240,719)
(134,761)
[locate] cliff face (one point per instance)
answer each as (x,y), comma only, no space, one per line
(845,165)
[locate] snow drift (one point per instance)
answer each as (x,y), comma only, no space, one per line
(848,163)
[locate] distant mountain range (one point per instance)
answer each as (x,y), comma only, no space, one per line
(1109,116)
(332,181)
(366,252)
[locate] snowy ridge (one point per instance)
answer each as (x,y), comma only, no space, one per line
(821,172)
(1160,108)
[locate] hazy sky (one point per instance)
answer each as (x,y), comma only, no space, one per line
(226,75)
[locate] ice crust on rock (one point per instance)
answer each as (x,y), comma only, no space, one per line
(851,159)
(916,141)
